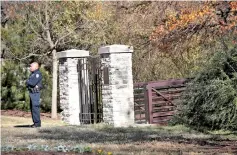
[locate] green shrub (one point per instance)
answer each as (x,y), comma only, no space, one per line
(14,92)
(210,101)
(46,93)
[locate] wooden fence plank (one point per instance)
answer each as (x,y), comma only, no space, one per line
(142,116)
(166,98)
(163,107)
(161,103)
(158,114)
(159,98)
(155,101)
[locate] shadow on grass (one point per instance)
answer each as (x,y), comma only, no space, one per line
(22,126)
(126,135)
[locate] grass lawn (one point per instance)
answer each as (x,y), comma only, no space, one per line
(151,140)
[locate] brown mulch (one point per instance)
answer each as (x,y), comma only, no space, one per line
(19,113)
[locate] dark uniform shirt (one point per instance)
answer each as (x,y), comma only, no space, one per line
(34,83)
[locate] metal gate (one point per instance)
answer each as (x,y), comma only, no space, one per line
(91,108)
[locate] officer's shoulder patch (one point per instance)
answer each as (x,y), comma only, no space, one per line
(37,75)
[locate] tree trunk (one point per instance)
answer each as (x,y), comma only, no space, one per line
(54,90)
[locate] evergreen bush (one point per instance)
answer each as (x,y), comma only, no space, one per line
(210,100)
(14,94)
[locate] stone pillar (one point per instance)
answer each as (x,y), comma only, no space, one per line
(117,85)
(69,84)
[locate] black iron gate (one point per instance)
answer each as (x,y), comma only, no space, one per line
(91,108)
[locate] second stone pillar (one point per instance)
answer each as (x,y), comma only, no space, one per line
(117,85)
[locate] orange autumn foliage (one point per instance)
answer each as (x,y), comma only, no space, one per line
(188,17)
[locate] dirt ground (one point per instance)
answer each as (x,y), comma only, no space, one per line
(154,140)
(18,113)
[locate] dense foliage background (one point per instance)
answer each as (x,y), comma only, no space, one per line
(170,40)
(14,93)
(210,100)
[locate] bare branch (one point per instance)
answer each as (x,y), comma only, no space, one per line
(61,38)
(39,14)
(30,55)
(39,20)
(49,39)
(66,35)
(55,17)
(36,33)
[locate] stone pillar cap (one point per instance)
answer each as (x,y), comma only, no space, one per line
(73,53)
(116,48)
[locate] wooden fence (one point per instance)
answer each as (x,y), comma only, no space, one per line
(155,102)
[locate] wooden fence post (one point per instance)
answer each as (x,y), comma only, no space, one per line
(149,95)
(146,103)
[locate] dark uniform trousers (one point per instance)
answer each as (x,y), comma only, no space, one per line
(34,84)
(35,108)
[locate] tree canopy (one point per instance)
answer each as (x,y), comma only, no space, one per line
(170,39)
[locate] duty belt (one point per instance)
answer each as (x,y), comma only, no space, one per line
(34,90)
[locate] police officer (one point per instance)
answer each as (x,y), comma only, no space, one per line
(34,85)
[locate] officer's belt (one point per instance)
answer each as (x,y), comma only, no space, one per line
(34,90)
